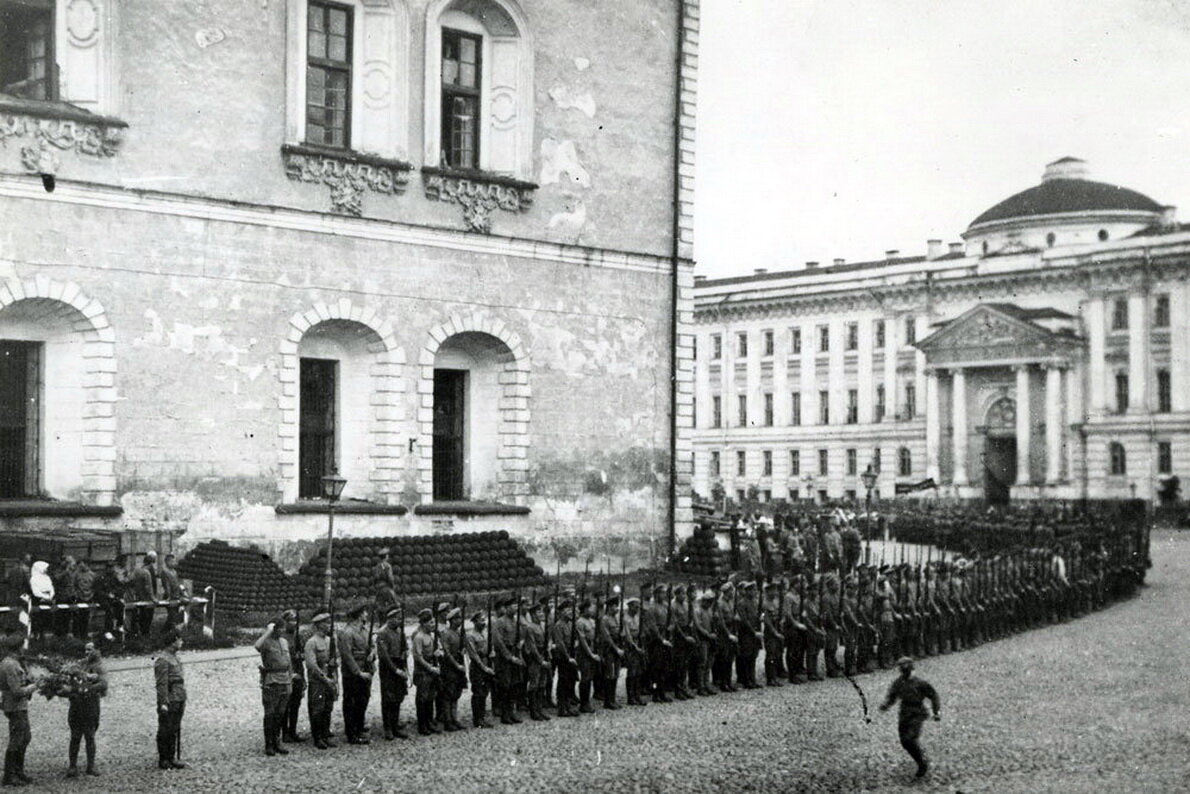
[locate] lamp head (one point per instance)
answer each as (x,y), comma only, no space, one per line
(332,486)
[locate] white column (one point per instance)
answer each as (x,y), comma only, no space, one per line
(1023,425)
(1179,346)
(1075,415)
(1097,356)
(836,374)
(920,359)
(867,392)
(1053,424)
(891,334)
(958,403)
(1139,360)
(933,424)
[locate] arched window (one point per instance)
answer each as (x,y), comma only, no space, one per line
(479,87)
(904,462)
(1118,462)
(347,75)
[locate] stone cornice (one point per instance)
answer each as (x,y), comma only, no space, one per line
(177,205)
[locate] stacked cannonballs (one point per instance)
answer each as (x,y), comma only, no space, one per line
(245,579)
(701,555)
(470,562)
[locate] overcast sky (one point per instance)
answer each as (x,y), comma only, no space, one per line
(836,128)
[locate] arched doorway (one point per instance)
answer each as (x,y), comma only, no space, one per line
(999,452)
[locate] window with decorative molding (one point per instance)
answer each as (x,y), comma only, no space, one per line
(27,49)
(824,408)
(852,338)
(716,347)
(715,465)
(479,87)
(1121,392)
(879,408)
(741,410)
(716,411)
(767,458)
(741,344)
(795,408)
(768,410)
(904,462)
(910,330)
(795,341)
(1164,457)
(768,343)
(852,406)
(795,463)
(1164,392)
(328,74)
(1119,314)
(1117,460)
(879,335)
(741,463)
(852,462)
(823,462)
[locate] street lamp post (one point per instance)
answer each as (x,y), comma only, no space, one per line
(869,479)
(332,489)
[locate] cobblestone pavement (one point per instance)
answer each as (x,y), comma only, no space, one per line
(1097,704)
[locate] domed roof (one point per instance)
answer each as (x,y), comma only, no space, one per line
(1064,188)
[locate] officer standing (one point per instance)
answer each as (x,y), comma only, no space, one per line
(355,656)
(15,691)
(610,650)
(453,680)
(588,658)
(536,662)
(508,662)
(704,633)
(912,692)
(564,636)
(774,639)
(276,678)
(392,656)
(171,701)
(297,687)
(322,681)
(634,660)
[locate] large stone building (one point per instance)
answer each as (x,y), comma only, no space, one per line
(442,246)
(1045,356)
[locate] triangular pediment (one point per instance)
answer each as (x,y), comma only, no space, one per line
(994,331)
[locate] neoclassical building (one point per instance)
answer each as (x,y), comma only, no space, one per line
(1047,355)
(434,245)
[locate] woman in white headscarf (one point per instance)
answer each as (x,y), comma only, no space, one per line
(42,588)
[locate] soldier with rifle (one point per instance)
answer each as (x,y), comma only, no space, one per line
(815,634)
(829,611)
(322,680)
(480,670)
(703,623)
(683,670)
(507,658)
(296,640)
(635,660)
(393,660)
(851,628)
(865,658)
(355,649)
(771,610)
(659,646)
(751,637)
(726,638)
(795,629)
(426,671)
(610,650)
(565,648)
(536,660)
(589,663)
(453,680)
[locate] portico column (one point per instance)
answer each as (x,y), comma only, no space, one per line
(933,425)
(1053,423)
(958,402)
(1097,364)
(1023,425)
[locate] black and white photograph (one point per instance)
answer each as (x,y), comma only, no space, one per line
(594,395)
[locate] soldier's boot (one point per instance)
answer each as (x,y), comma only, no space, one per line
(584,698)
(609,696)
(10,766)
(277,720)
(269,748)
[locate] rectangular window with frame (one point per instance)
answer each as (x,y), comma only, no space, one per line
(766,495)
(716,411)
(795,408)
(850,495)
(1161,312)
(879,408)
(716,347)
(910,330)
(879,334)
(852,406)
(794,494)
(824,338)
(1117,459)
(1164,392)
(852,337)
(823,496)
(795,463)
(741,463)
(823,462)
(1164,457)
(1121,392)
(852,462)
(20,419)
(768,410)
(27,59)
(715,463)
(741,410)
(461,68)
(795,341)
(1119,314)
(741,344)
(741,495)
(768,343)
(768,463)
(824,408)
(318,419)
(910,401)
(328,74)
(876,460)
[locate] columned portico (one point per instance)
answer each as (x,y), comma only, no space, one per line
(1053,424)
(1023,425)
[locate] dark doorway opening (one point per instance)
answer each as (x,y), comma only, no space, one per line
(316,433)
(450,415)
(20,371)
(999,469)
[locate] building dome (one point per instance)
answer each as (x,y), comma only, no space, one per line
(1067,208)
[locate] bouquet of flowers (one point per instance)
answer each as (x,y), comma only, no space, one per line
(63,678)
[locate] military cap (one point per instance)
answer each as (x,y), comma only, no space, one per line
(169,637)
(321,617)
(478,616)
(660,587)
(679,588)
(443,606)
(383,551)
(904,661)
(611,599)
(565,603)
(357,610)
(632,601)
(748,586)
(646,587)
(425,615)
(393,612)
(289,614)
(454,613)
(726,587)
(770,586)
(536,606)
(706,595)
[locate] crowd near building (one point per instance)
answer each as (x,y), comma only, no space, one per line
(440,246)
(1045,356)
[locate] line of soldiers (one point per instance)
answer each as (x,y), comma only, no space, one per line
(567,650)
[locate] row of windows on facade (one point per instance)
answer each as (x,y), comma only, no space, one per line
(851,416)
(27,70)
(904,462)
(1117,461)
(1119,322)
